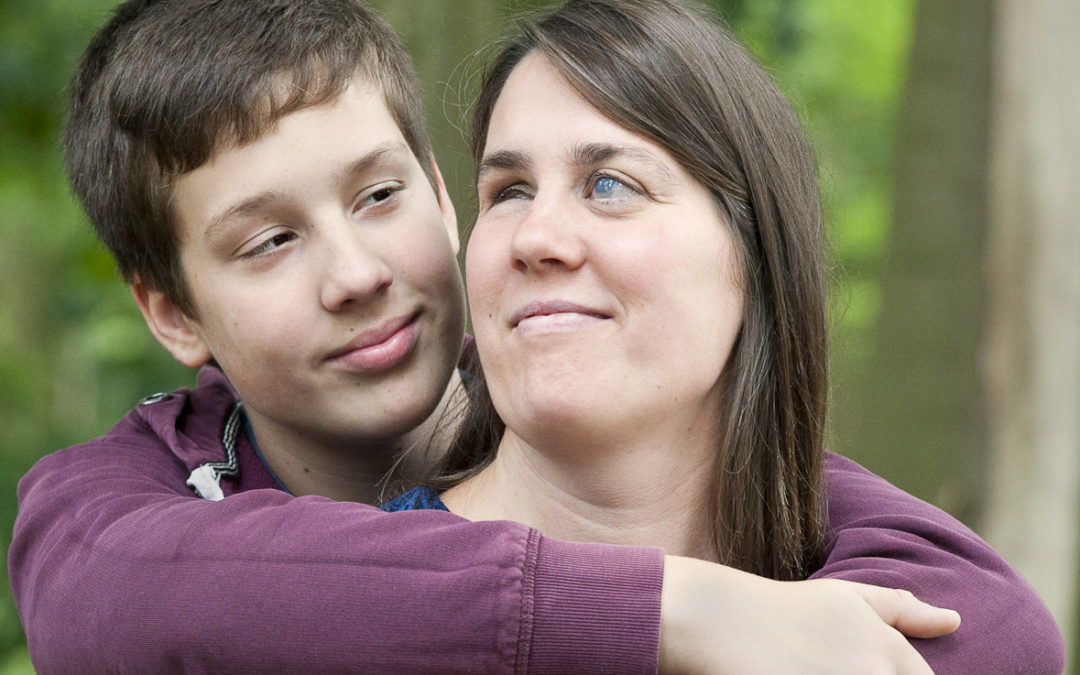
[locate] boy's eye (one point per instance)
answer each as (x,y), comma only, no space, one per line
(274,242)
(380,194)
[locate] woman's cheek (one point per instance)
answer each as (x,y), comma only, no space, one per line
(481,275)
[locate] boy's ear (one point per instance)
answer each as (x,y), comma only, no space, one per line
(447,208)
(172,328)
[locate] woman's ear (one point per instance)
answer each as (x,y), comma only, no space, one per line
(173,329)
(447,208)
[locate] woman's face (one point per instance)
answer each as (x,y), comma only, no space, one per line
(602,279)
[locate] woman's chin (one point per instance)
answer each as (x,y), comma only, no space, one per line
(563,427)
(560,405)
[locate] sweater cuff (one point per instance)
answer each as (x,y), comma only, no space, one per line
(590,608)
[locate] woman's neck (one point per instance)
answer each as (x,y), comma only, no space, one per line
(644,493)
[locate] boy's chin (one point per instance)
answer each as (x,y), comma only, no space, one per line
(414,413)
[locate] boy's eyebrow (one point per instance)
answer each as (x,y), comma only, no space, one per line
(390,150)
(261,200)
(245,207)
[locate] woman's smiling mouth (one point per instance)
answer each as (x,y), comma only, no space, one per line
(554,315)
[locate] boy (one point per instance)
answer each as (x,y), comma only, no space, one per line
(263,178)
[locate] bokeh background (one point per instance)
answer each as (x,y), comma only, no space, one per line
(948,133)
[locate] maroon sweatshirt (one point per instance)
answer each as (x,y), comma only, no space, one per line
(117,567)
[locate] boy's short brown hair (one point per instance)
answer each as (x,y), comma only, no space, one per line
(165,84)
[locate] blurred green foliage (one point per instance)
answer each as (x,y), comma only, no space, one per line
(74,353)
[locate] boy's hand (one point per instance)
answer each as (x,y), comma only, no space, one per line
(902,610)
(715,619)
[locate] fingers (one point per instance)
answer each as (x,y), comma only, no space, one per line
(909,615)
(717,619)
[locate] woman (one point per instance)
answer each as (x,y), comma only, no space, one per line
(669,245)
(648,298)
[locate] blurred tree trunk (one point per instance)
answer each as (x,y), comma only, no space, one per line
(1032,349)
(443,39)
(913,415)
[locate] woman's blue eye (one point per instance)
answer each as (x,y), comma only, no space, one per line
(605,185)
(609,187)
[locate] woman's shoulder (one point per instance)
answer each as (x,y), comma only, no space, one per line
(853,492)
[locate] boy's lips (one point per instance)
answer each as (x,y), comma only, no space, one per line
(380,348)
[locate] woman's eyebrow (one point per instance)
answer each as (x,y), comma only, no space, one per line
(502,159)
(589,154)
(584,154)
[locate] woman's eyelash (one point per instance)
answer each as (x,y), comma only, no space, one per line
(502,194)
(602,185)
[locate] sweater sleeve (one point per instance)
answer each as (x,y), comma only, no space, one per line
(116,568)
(880,535)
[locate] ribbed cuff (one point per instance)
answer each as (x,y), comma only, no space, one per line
(593,608)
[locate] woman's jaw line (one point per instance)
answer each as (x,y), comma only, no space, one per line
(617,497)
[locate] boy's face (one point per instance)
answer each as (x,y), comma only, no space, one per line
(323,274)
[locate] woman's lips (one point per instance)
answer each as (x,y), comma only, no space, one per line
(379,349)
(556,315)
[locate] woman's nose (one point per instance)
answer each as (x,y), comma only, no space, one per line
(352,270)
(547,238)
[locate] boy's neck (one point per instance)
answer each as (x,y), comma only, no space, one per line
(356,470)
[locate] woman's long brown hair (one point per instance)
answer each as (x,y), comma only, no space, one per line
(673,74)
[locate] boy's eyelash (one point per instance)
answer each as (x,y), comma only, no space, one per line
(388,191)
(381,195)
(262,248)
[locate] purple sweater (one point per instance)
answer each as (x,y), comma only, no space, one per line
(117,567)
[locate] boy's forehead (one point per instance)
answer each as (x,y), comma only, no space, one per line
(315,146)
(286,97)
(363,98)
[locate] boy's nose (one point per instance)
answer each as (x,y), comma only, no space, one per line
(352,273)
